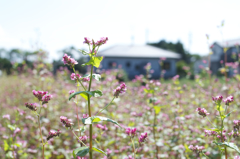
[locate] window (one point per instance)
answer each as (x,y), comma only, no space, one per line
(166,65)
(128,64)
(137,67)
(112,64)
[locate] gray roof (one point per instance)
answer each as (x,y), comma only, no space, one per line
(140,51)
(229,43)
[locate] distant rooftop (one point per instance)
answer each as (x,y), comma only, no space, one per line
(229,43)
(141,51)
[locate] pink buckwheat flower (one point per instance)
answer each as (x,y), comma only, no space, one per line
(46,98)
(203,112)
(53,133)
(85,116)
(87,41)
(131,132)
(67,60)
(142,138)
(196,148)
(31,106)
(228,100)
(120,90)
(6,116)
(66,122)
(104,128)
(73,76)
(39,94)
(86,79)
(237,157)
(236,124)
(217,99)
(102,40)
(83,138)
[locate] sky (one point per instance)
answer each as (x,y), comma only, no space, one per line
(57,24)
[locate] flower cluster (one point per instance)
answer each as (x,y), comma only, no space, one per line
(203,112)
(142,137)
(46,98)
(235,134)
(79,77)
(104,128)
(31,106)
(131,132)
(217,99)
(223,138)
(66,122)
(53,134)
(85,116)
(236,124)
(42,96)
(228,100)
(100,42)
(67,60)
(196,148)
(210,133)
(120,90)
(39,94)
(83,138)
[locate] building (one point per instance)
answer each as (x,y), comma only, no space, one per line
(232,51)
(133,58)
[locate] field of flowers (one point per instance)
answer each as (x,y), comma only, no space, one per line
(147,119)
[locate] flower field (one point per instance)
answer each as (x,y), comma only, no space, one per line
(140,119)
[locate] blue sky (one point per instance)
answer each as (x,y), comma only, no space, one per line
(56,24)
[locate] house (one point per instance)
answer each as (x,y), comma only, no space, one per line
(133,58)
(232,51)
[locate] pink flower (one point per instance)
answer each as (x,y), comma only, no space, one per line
(228,100)
(46,98)
(131,132)
(39,94)
(85,116)
(31,106)
(6,116)
(102,40)
(120,90)
(67,60)
(196,148)
(203,112)
(142,138)
(66,122)
(73,76)
(53,133)
(83,138)
(217,99)
(87,41)
(17,130)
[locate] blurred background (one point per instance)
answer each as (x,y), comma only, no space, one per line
(31,30)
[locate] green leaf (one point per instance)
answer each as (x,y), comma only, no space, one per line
(96,119)
(96,76)
(157,109)
(99,150)
(229,114)
(11,127)
(85,94)
(6,146)
(95,61)
(148,90)
(228,144)
(81,151)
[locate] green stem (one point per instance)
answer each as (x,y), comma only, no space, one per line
(105,106)
(210,122)
(222,131)
(89,113)
(204,155)
(133,148)
(39,126)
